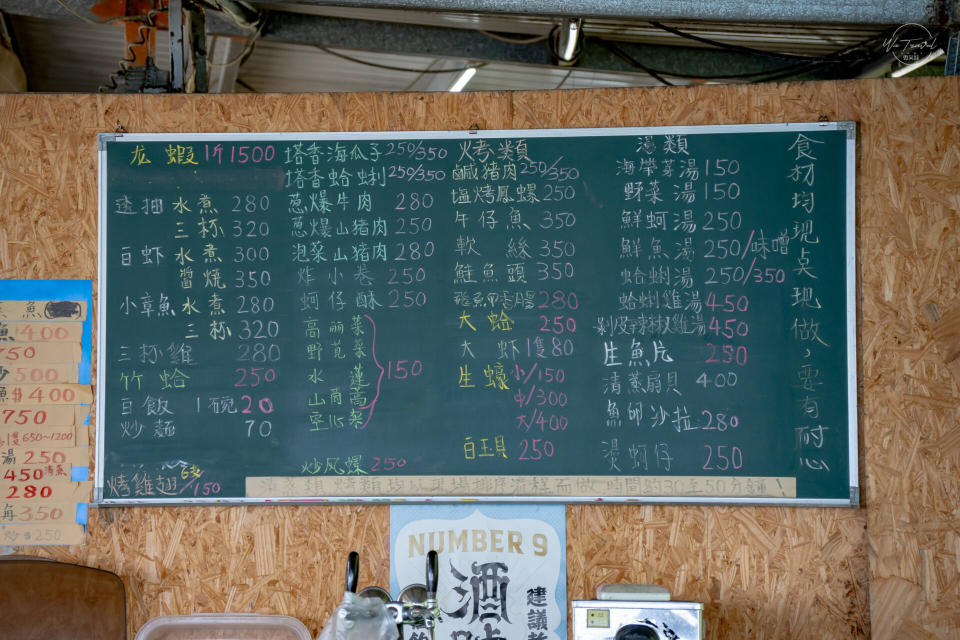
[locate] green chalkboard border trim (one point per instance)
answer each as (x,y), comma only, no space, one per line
(103,139)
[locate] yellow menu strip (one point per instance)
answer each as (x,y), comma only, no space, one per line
(38,533)
(31,394)
(16,373)
(544,486)
(33,353)
(40,513)
(43,437)
(43,457)
(61,415)
(40,492)
(42,310)
(41,331)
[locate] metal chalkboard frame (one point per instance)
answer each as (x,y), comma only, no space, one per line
(851,314)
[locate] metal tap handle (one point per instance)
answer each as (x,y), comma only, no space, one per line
(432,613)
(432,575)
(353,571)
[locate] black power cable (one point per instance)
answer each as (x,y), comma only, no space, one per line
(626,57)
(751,75)
(389,67)
(726,45)
(840,56)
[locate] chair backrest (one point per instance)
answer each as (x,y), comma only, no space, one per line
(49,600)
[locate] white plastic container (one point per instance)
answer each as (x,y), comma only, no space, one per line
(224,626)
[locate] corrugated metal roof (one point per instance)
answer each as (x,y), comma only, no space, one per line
(70,56)
(800,39)
(281,67)
(73,56)
(500,77)
(580,79)
(821,11)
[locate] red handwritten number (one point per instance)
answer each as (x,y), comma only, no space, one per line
(36,375)
(402,369)
(389,464)
(557,325)
(30,491)
(553,398)
(45,457)
(246,153)
(257,376)
(55,395)
(730,353)
(13,353)
(210,488)
(730,304)
(25,475)
(558,300)
(264,404)
(46,333)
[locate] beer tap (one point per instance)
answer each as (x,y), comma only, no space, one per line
(424,613)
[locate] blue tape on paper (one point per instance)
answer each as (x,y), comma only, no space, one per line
(79,474)
(58,290)
(82,513)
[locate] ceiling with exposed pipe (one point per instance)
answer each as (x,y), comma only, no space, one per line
(223,46)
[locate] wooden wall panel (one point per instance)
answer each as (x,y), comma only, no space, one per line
(762,572)
(910,245)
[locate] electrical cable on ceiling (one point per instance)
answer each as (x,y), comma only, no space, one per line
(243,14)
(392,68)
(827,57)
(623,55)
(847,55)
(495,36)
(247,48)
(692,76)
(130,57)
(246,86)
(769,74)
(790,73)
(727,45)
(808,64)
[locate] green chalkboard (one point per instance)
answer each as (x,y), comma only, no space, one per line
(650,314)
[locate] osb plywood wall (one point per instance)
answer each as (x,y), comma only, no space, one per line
(892,567)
